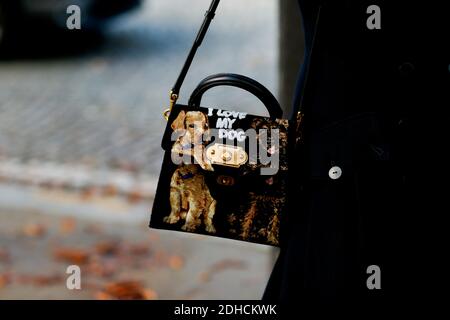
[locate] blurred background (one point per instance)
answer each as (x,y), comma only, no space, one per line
(80,131)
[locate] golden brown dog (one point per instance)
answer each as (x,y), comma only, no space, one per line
(191,200)
(193,128)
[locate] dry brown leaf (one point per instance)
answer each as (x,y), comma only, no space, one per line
(47,280)
(150,294)
(88,193)
(101,269)
(41,280)
(125,290)
(34,230)
(107,247)
(67,226)
(5,279)
(176,262)
(135,196)
(71,255)
(100,295)
(110,190)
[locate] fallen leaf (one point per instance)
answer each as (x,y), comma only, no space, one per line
(150,294)
(103,270)
(135,196)
(125,290)
(67,226)
(176,262)
(107,247)
(40,280)
(71,255)
(87,193)
(110,190)
(46,280)
(34,230)
(5,279)
(91,286)
(100,295)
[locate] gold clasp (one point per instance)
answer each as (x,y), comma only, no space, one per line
(224,155)
(173,99)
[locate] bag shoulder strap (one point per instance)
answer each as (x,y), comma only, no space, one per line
(174,93)
(209,16)
(298,108)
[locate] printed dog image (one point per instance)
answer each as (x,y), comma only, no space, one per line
(193,128)
(253,221)
(203,193)
(263,128)
(190,200)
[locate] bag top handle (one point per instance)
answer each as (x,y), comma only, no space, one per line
(239,81)
(174,93)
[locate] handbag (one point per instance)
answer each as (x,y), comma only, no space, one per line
(224,173)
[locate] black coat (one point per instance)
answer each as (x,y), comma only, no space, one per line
(363,100)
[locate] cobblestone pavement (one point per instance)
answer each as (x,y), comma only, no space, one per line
(103,107)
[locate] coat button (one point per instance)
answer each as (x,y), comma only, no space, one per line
(335,173)
(406,68)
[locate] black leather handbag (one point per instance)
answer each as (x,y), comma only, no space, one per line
(224,172)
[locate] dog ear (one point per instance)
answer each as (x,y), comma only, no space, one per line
(207,133)
(176,178)
(178,123)
(206,121)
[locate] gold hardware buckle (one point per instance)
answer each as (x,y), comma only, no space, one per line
(225,155)
(173,99)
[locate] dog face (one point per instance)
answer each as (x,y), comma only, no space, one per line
(194,123)
(264,127)
(187,170)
